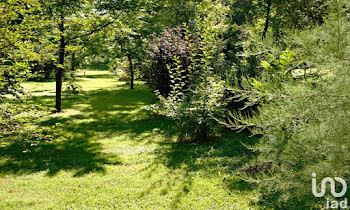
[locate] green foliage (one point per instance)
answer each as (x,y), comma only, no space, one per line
(123,73)
(73,88)
(275,75)
(123,76)
(306,14)
(20,22)
(19,125)
(305,121)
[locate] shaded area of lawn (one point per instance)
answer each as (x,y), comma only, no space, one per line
(95,119)
(216,159)
(80,156)
(108,113)
(97,114)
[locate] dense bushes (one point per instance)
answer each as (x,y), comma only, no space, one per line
(305,129)
(43,70)
(304,120)
(19,125)
(293,85)
(196,92)
(162,51)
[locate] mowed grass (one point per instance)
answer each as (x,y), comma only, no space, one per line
(119,156)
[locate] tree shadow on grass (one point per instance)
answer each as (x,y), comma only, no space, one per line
(108,113)
(96,115)
(224,155)
(79,156)
(94,76)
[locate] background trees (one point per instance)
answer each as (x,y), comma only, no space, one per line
(128,43)
(21,24)
(66,14)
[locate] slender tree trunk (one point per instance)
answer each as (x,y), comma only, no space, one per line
(131,72)
(59,74)
(202,133)
(268,15)
(73,64)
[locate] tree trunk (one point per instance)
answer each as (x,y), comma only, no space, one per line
(202,133)
(131,72)
(73,65)
(268,15)
(59,74)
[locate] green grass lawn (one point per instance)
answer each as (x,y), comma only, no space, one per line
(119,156)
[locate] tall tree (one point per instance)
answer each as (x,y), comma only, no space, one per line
(128,34)
(63,12)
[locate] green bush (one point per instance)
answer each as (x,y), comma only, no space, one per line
(162,51)
(196,92)
(124,76)
(19,125)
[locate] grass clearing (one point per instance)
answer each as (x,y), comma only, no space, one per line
(119,156)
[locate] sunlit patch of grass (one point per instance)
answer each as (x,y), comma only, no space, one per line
(119,156)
